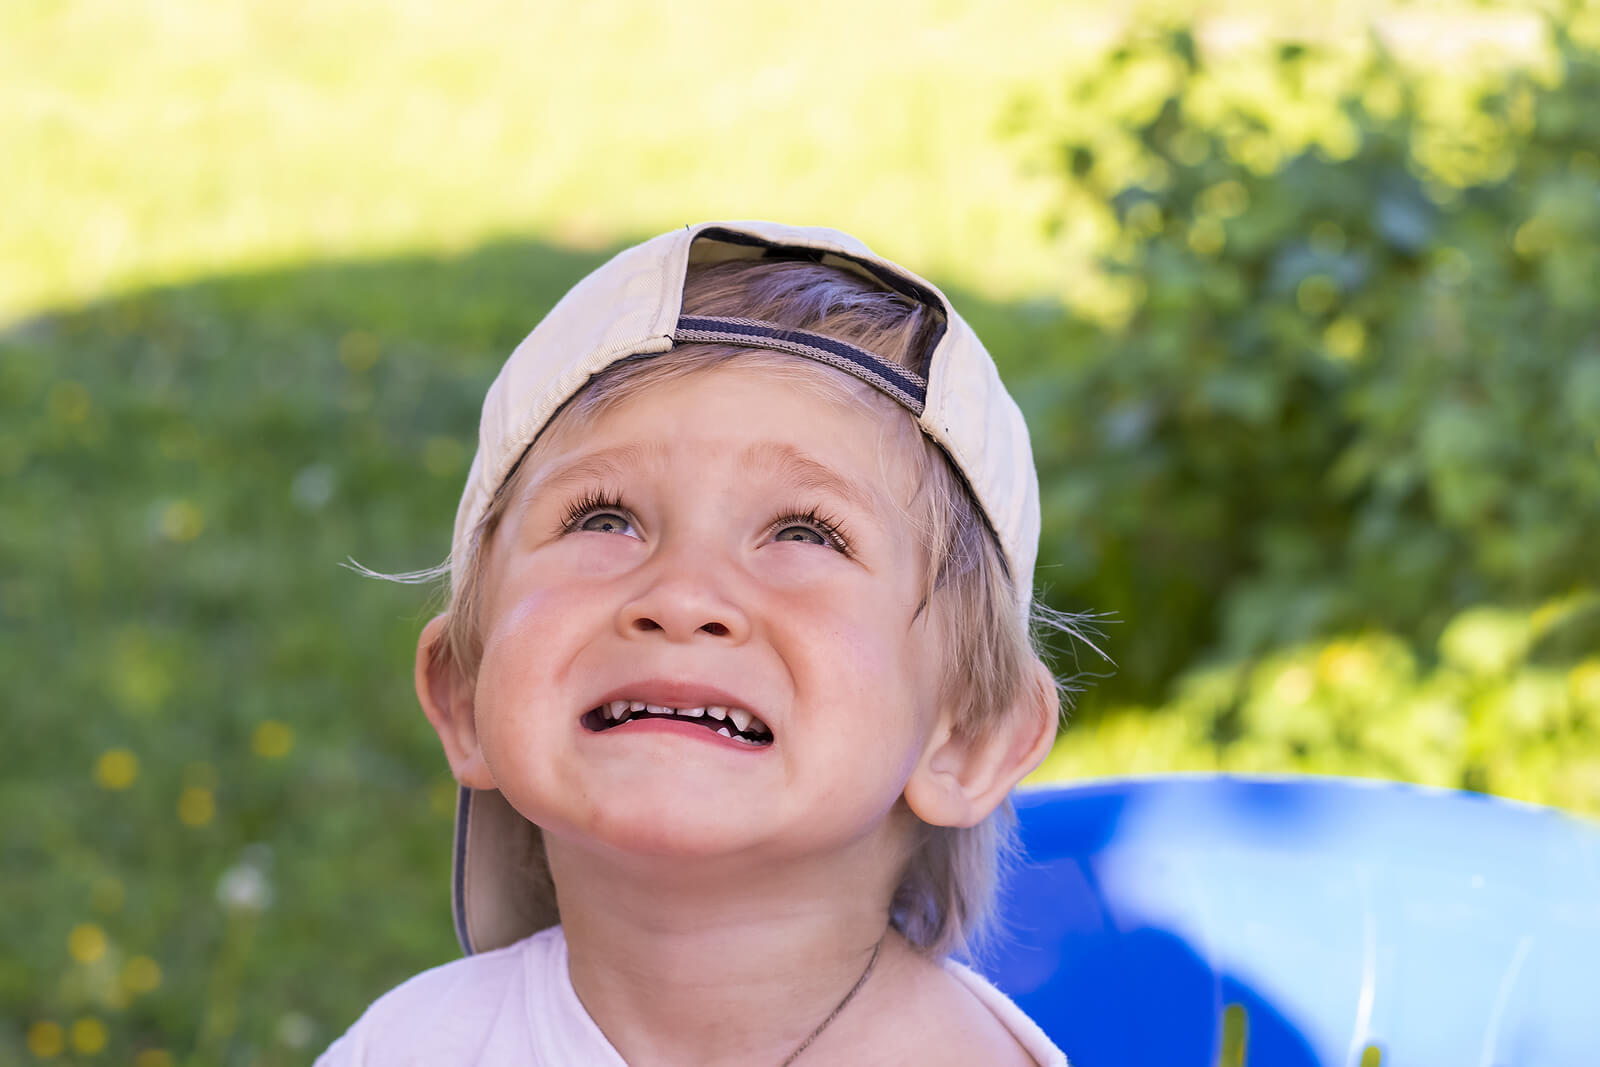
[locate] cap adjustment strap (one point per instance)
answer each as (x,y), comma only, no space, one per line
(909,389)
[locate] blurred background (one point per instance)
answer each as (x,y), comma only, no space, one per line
(1299,299)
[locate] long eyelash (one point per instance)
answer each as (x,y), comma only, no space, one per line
(593,500)
(829,526)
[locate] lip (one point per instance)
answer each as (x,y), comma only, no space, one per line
(674,693)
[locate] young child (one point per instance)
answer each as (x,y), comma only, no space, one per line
(735,676)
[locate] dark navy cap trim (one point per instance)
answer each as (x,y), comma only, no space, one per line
(909,389)
(458,885)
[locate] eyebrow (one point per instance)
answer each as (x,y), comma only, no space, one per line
(803,472)
(789,463)
(608,464)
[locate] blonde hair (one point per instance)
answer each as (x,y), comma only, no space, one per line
(946,894)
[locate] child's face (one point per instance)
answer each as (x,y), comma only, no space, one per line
(718,540)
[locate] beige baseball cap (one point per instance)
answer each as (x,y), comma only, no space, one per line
(632,307)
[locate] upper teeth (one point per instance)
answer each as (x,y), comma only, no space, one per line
(742,720)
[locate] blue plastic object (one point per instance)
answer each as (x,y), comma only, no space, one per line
(1352,922)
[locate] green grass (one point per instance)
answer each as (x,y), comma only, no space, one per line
(167,140)
(170,140)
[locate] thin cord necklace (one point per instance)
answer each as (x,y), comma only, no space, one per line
(837,1008)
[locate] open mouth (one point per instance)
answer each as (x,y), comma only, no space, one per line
(735,723)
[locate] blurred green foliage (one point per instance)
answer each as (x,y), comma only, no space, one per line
(227,821)
(1336,466)
(1323,435)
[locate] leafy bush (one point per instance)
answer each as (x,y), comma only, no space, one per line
(1336,466)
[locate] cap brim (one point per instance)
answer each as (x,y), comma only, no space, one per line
(497,849)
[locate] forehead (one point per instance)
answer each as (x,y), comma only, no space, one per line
(777,417)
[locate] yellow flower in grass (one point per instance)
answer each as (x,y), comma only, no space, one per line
(273,739)
(86,943)
(141,975)
(46,1039)
(116,768)
(88,1035)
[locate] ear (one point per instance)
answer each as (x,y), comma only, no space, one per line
(446,695)
(960,781)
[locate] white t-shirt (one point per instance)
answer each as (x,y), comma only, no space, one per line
(516,1006)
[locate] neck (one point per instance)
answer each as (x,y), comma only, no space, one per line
(722,966)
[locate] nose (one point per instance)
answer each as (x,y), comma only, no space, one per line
(684,600)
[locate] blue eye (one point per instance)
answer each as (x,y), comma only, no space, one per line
(810,528)
(597,513)
(605,522)
(804,534)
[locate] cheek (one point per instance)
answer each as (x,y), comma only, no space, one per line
(810,580)
(531,639)
(523,704)
(556,573)
(592,557)
(862,629)
(877,670)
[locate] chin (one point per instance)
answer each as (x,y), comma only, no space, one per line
(643,828)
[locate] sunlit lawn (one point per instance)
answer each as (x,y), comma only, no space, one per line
(172,139)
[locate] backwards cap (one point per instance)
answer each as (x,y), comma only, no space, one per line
(632,307)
